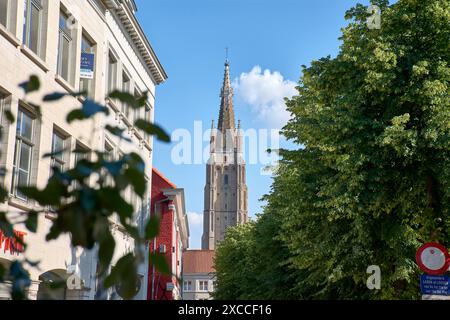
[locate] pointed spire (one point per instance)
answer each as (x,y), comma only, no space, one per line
(226,114)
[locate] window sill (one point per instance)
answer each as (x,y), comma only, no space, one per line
(147,146)
(82,99)
(63,83)
(116,226)
(9,36)
(112,104)
(19,203)
(139,135)
(126,122)
(51,216)
(34,57)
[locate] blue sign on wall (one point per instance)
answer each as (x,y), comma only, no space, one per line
(87,65)
(435,285)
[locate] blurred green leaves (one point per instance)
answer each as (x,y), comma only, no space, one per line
(160,262)
(88,200)
(152,129)
(31,85)
(88,110)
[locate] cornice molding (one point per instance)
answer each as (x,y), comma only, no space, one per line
(138,37)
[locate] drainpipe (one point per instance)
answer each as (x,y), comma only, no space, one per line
(154,248)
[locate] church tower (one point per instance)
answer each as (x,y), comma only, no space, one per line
(225,189)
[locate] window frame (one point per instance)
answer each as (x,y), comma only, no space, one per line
(27,26)
(19,140)
(125,107)
(137,111)
(7,14)
(64,34)
(112,74)
(148,118)
(187,286)
(55,161)
(2,108)
(109,151)
(90,83)
(78,156)
(204,289)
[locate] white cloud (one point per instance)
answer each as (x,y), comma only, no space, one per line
(195,229)
(195,219)
(264,91)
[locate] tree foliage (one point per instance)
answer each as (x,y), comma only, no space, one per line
(85,197)
(371,182)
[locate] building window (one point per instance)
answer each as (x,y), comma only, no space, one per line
(58,151)
(187,285)
(64,47)
(108,156)
(4,132)
(86,84)
(81,153)
(23,152)
(148,118)
(126,87)
(137,111)
(112,73)
(203,286)
(109,152)
(4,7)
(32,27)
(2,109)
(225,179)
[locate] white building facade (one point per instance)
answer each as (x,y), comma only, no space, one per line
(199,275)
(49,38)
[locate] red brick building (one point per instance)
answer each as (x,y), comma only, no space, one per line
(167,201)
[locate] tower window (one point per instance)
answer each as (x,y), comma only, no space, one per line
(226,179)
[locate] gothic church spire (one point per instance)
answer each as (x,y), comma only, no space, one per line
(226,113)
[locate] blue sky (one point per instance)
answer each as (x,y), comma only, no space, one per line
(268,41)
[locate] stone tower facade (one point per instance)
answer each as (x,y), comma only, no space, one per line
(225,189)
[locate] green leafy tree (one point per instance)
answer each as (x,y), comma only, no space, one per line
(251,262)
(85,197)
(234,253)
(371,182)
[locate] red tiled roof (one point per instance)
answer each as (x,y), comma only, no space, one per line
(198,261)
(157,172)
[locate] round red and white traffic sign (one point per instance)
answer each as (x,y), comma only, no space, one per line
(433,258)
